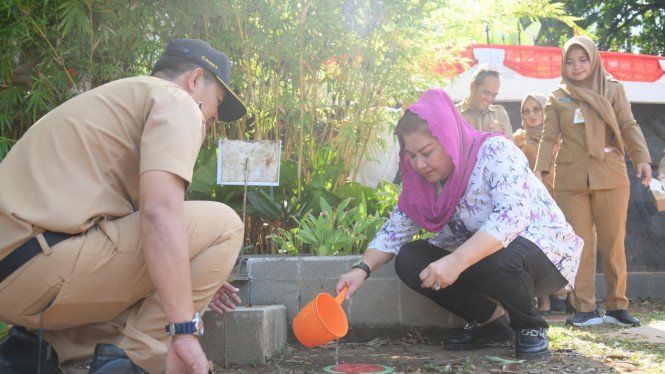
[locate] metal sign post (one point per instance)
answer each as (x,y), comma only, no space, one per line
(248,162)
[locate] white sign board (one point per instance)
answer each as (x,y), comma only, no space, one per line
(261,157)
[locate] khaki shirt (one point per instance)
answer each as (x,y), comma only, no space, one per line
(575,169)
(529,145)
(80,163)
(493,119)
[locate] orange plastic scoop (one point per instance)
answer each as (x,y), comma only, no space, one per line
(321,321)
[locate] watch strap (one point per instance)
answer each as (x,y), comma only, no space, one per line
(181,328)
(362,265)
(194,327)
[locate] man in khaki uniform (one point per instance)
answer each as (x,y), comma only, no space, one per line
(97,245)
(477,108)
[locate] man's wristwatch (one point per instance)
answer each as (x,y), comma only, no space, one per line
(194,327)
(361,265)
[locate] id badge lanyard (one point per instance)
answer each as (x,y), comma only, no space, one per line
(579,116)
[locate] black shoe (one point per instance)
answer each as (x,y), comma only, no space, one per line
(547,312)
(476,337)
(585,319)
(621,317)
(531,344)
(570,309)
(111,360)
(19,353)
(556,304)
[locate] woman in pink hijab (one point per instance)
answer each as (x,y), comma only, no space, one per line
(499,235)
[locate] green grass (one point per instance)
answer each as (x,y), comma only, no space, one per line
(618,353)
(3,329)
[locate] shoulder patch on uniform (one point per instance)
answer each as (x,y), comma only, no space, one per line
(565,100)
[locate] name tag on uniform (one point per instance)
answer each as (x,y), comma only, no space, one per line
(565,100)
(579,117)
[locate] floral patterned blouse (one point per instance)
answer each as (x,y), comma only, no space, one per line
(505,199)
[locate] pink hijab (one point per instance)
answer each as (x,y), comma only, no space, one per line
(461,141)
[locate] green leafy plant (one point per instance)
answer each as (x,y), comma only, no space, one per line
(388,194)
(288,241)
(338,231)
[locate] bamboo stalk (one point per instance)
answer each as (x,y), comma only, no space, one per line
(303,17)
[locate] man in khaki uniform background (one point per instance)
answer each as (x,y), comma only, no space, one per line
(97,245)
(477,108)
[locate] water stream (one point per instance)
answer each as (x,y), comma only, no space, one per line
(337,352)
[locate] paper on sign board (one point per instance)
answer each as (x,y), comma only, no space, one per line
(262,156)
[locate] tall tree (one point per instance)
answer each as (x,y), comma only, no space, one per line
(636,26)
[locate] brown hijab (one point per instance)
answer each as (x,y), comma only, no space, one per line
(534,131)
(593,97)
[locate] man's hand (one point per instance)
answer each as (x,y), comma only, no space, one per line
(661,177)
(185,356)
(441,273)
(220,303)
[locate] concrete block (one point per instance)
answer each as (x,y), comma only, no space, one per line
(656,285)
(375,303)
(313,287)
(636,286)
(458,321)
(283,292)
(387,271)
(273,268)
(324,267)
(244,288)
(248,335)
(417,310)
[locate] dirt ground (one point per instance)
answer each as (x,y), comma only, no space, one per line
(572,351)
(405,357)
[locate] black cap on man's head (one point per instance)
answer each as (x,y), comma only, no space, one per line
(202,53)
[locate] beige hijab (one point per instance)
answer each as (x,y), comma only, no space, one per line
(593,97)
(534,131)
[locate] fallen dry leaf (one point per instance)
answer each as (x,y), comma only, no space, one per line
(420,337)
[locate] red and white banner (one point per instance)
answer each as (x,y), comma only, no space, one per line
(527,69)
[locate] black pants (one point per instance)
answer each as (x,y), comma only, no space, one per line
(512,276)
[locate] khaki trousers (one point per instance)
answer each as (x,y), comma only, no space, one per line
(102,292)
(608,209)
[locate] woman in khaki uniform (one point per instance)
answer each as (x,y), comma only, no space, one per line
(527,139)
(591,114)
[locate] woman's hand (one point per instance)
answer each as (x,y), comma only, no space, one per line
(539,175)
(353,280)
(441,273)
(661,177)
(646,167)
